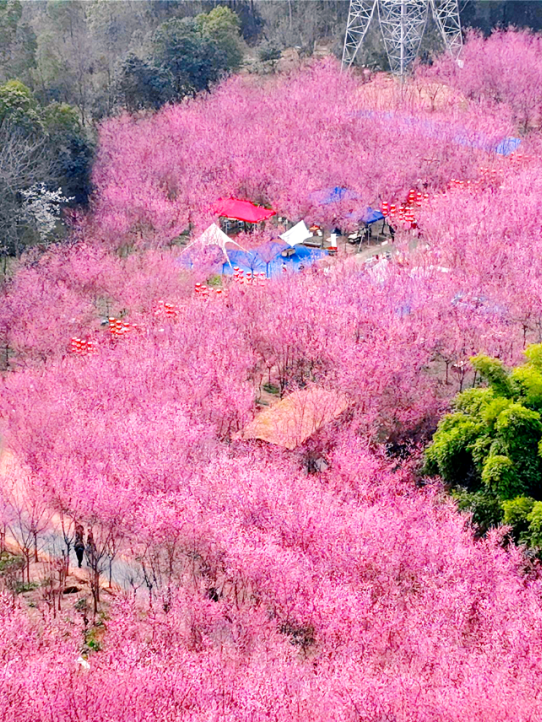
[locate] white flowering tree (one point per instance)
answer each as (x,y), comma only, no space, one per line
(42,207)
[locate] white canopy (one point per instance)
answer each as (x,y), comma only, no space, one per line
(297,234)
(215,236)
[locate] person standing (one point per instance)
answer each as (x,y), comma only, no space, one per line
(79,545)
(91,548)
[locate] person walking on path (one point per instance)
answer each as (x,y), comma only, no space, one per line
(92,556)
(79,545)
(91,548)
(93,562)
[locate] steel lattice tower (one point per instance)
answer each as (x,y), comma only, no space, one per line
(402,23)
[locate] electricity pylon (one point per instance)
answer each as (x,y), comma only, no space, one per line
(402,23)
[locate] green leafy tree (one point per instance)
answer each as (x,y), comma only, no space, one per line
(40,147)
(71,162)
(19,107)
(535,524)
(10,15)
(489,450)
(250,19)
(142,84)
(221,26)
(193,60)
(66,56)
(17,42)
(516,514)
(484,506)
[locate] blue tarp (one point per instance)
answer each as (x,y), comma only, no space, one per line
(336,195)
(479,304)
(253,262)
(333,195)
(507,146)
(247,260)
(262,259)
(440,129)
(504,147)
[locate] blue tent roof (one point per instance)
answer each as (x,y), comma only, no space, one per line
(253,259)
(333,195)
(370,215)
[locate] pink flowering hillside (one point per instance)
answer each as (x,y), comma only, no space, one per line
(228,577)
(286,139)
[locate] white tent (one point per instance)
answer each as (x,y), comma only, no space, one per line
(297,234)
(215,236)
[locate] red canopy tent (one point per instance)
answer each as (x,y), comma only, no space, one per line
(241,210)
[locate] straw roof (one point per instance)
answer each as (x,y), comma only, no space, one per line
(297,417)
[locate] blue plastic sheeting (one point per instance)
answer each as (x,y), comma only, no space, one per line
(369,216)
(336,195)
(333,195)
(404,310)
(504,147)
(253,262)
(271,249)
(479,304)
(507,146)
(439,129)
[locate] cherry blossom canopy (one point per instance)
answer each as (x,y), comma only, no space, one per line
(241,210)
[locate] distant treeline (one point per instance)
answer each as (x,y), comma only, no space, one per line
(94,55)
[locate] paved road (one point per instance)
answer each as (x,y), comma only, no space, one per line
(125,573)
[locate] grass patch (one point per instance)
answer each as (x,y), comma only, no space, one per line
(215,281)
(10,562)
(24,587)
(93,639)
